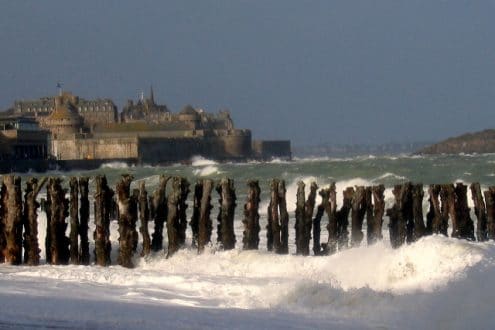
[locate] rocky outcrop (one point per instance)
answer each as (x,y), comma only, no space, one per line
(479,142)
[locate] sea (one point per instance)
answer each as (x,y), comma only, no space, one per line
(435,283)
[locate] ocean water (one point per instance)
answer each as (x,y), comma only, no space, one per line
(437,282)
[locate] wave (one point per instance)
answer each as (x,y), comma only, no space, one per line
(424,281)
(201,161)
(115,165)
(206,171)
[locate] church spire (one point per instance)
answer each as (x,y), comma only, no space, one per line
(152,96)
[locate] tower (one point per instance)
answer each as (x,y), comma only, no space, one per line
(152,96)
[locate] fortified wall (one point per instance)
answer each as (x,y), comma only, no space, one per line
(146,132)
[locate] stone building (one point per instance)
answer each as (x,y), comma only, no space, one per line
(99,111)
(22,138)
(63,120)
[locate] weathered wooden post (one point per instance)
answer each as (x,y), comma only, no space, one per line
(144,217)
(103,200)
(447,209)
(317,246)
(299,225)
(434,217)
(194,223)
(159,211)
(304,217)
(30,219)
(284,218)
(480,211)
(251,220)
(84,257)
(3,211)
(400,214)
(184,187)
(123,193)
(343,219)
(490,212)
(134,211)
(332,226)
(74,221)
(369,209)
(205,224)
(464,225)
(59,247)
(173,200)
(374,226)
(357,215)
(273,225)
(12,208)
(417,208)
(226,215)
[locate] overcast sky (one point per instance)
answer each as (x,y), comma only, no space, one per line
(370,71)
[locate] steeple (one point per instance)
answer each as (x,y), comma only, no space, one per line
(152,96)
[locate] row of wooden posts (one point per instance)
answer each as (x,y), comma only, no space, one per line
(19,219)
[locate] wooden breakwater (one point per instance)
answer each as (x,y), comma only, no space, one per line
(69,208)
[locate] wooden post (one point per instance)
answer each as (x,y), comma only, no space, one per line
(300,208)
(159,211)
(368,204)
(447,209)
(103,201)
(332,226)
(74,221)
(194,223)
(407,211)
(59,247)
(226,215)
(400,215)
(317,246)
(480,211)
(144,217)
(251,220)
(434,221)
(490,212)
(3,212)
(123,193)
(374,227)
(30,219)
(343,219)
(12,207)
(273,225)
(205,225)
(184,188)
(357,215)
(305,224)
(84,257)
(417,206)
(465,225)
(173,200)
(284,218)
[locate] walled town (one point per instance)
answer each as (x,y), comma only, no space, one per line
(72,132)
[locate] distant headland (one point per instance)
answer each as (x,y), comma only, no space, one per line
(71,132)
(469,143)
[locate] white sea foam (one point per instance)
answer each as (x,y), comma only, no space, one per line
(115,165)
(206,171)
(428,278)
(201,161)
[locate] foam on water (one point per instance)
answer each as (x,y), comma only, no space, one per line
(201,161)
(114,165)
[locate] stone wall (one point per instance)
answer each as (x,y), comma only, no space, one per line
(266,149)
(91,148)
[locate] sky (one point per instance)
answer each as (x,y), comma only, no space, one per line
(315,72)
